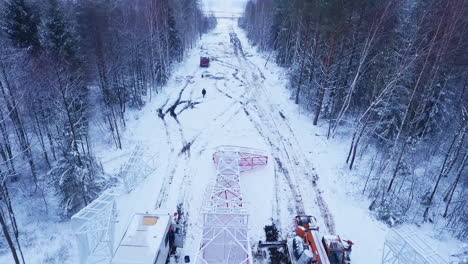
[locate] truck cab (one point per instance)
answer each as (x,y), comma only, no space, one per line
(204,62)
(337,252)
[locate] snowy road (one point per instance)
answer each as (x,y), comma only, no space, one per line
(236,111)
(247,105)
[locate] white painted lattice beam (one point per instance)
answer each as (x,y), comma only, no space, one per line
(225,237)
(137,168)
(94,224)
(94,229)
(405,245)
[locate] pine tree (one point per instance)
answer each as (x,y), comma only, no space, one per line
(21,25)
(58,37)
(175,43)
(76,175)
(281,30)
(77,182)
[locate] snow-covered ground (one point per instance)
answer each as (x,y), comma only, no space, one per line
(246,104)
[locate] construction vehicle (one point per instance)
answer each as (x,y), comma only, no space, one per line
(337,251)
(307,247)
(328,250)
(204,62)
(149,239)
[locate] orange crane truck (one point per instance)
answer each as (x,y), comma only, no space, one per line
(307,247)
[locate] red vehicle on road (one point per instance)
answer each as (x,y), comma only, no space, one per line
(204,62)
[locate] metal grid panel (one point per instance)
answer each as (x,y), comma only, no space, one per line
(137,168)
(94,228)
(405,245)
(248,158)
(225,237)
(94,224)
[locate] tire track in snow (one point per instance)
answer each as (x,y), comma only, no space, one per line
(294,155)
(299,156)
(173,157)
(297,206)
(226,115)
(243,100)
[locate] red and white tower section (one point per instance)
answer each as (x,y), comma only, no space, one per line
(225,237)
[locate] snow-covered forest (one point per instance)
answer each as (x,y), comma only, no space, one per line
(362,107)
(59,62)
(395,73)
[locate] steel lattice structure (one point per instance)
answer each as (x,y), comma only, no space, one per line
(136,169)
(225,219)
(405,245)
(94,224)
(94,228)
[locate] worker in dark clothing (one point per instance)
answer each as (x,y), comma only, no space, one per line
(203,92)
(172,241)
(350,245)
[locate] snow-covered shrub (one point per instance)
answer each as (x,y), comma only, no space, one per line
(462,257)
(3,245)
(392,213)
(77,180)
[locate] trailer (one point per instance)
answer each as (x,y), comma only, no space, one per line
(147,240)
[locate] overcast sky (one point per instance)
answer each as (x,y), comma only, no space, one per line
(224,5)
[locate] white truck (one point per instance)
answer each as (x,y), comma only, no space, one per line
(147,240)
